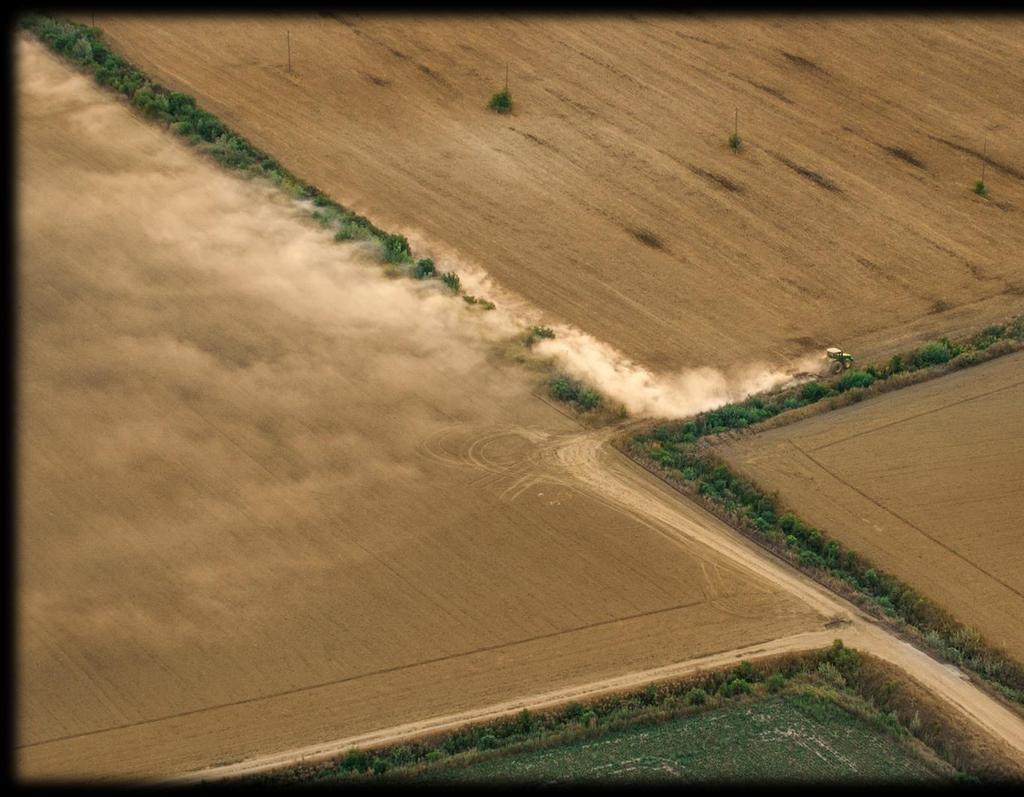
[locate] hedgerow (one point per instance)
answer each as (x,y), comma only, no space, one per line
(674,447)
(84,46)
(756,409)
(837,675)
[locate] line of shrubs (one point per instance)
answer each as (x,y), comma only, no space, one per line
(85,46)
(565,388)
(673,448)
(817,674)
(758,408)
(819,682)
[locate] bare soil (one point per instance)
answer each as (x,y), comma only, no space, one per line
(609,197)
(927,482)
(268,497)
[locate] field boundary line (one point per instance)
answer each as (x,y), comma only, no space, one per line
(902,519)
(348,679)
(855,435)
(803,641)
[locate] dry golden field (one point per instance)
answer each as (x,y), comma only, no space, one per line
(927,482)
(268,497)
(609,197)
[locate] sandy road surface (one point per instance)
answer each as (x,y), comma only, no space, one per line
(589,459)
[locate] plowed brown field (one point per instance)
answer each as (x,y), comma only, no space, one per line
(268,497)
(609,197)
(927,482)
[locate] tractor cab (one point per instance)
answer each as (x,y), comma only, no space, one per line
(838,360)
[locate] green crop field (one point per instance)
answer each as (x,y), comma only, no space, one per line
(795,737)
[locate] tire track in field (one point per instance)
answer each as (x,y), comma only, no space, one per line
(904,520)
(383,671)
(921,414)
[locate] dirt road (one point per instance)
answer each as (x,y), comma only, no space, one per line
(926,483)
(593,464)
(268,496)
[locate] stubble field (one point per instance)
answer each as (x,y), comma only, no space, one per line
(609,198)
(267,496)
(927,482)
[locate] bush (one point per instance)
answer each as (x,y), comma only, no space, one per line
(696,697)
(82,51)
(735,142)
(980,189)
(351,230)
(565,389)
(588,399)
(206,125)
(775,682)
(424,268)
(396,249)
(936,353)
(488,741)
(355,761)
(180,104)
(501,102)
(830,674)
(451,279)
(542,332)
(988,336)
(735,686)
(852,379)
(745,671)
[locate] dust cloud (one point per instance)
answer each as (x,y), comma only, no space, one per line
(249,462)
(664,395)
(643,392)
(189,342)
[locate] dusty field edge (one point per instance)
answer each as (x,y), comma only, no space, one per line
(876,692)
(745,508)
(82,48)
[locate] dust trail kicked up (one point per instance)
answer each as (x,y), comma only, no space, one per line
(644,393)
(674,395)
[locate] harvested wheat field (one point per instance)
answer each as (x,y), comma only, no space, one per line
(609,197)
(927,482)
(268,496)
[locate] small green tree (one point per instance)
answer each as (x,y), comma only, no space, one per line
(696,697)
(488,741)
(588,399)
(501,102)
(424,268)
(813,391)
(935,353)
(980,189)
(735,142)
(852,379)
(396,249)
(735,686)
(451,279)
(82,51)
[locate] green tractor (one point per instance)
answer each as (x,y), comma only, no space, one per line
(838,360)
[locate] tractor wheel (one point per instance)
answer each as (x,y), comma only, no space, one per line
(835,367)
